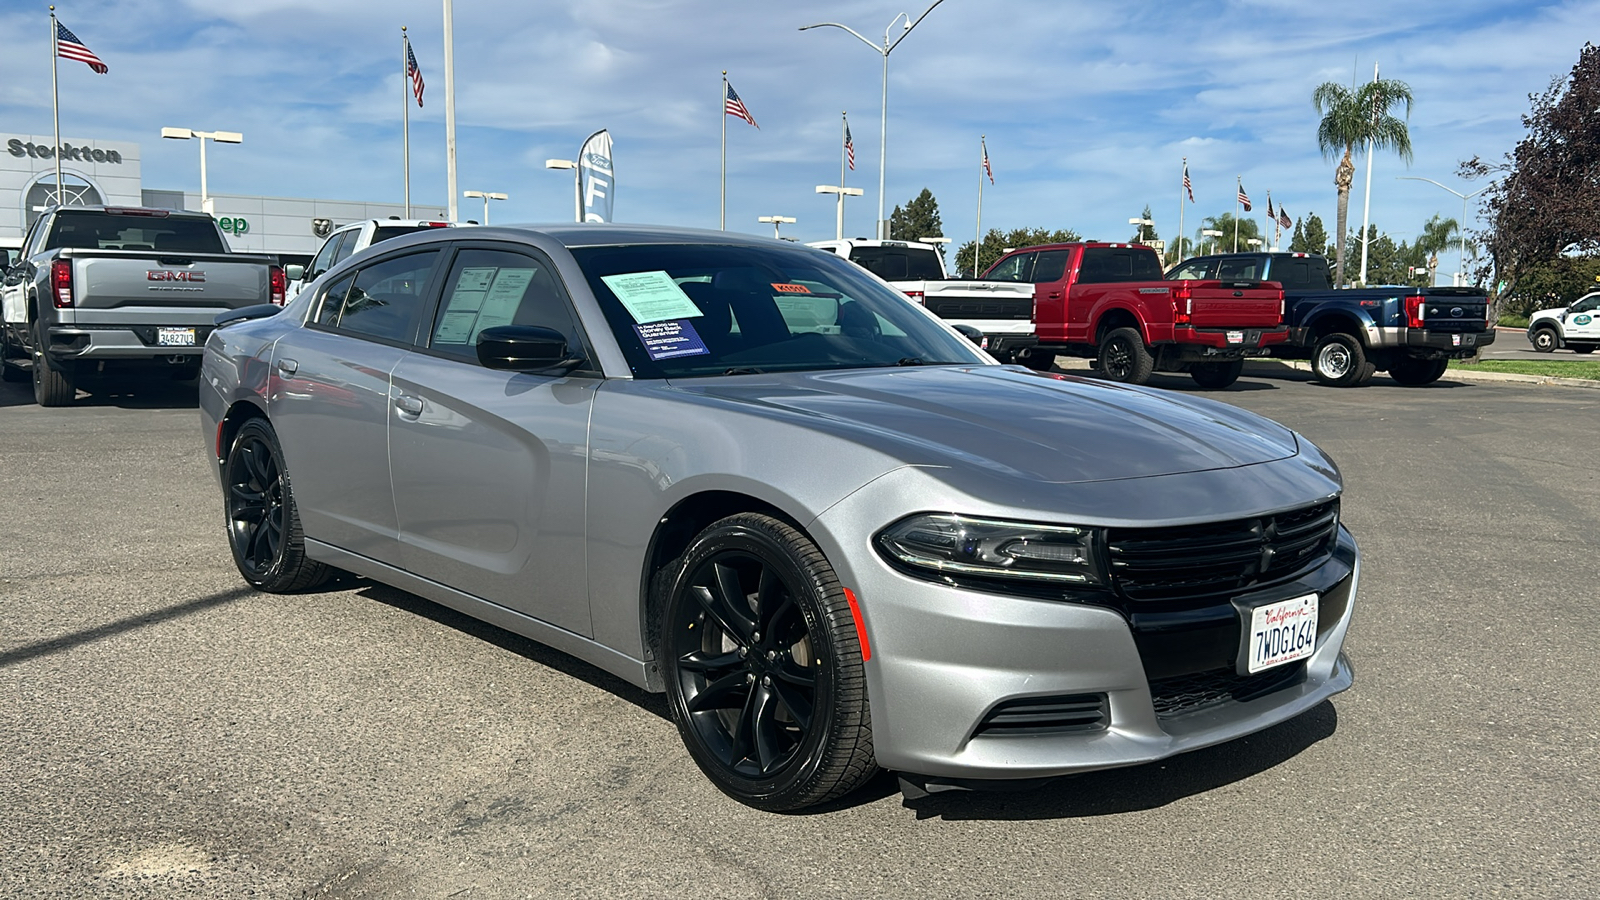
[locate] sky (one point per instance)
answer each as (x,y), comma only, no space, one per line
(1088,108)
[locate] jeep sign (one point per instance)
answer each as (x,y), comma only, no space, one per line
(234,225)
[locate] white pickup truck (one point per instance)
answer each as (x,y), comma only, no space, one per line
(1002,311)
(350,239)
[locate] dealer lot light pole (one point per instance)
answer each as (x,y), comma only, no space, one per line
(883,123)
(1461,227)
(577,186)
(487,196)
(221,137)
(776,222)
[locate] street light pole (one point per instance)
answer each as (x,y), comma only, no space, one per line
(1141,223)
(883,122)
(1461,226)
(843,192)
(777,221)
(1212,233)
(577,187)
(184,134)
(487,196)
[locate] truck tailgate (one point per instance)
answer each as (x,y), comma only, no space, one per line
(1459,310)
(978,299)
(121,280)
(1223,304)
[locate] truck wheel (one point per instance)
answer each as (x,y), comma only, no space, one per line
(1216,375)
(1339,361)
(1412,372)
(1582,348)
(52,380)
(1544,340)
(1124,357)
(1037,360)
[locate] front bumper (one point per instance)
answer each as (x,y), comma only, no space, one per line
(944,660)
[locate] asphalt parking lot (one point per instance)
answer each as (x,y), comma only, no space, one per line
(166,733)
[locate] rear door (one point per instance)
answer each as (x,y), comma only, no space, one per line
(489,466)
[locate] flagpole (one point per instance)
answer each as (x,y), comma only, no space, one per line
(722,104)
(1181,191)
(1366,206)
(405,106)
(55,107)
(977,240)
(450,111)
(1238,189)
(844,130)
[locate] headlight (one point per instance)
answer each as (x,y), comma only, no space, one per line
(951,545)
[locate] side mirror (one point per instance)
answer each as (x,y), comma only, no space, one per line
(294,272)
(524,348)
(975,335)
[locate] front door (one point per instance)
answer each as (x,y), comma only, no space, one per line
(1582,320)
(490,466)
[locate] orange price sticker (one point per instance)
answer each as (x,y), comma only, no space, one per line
(791,289)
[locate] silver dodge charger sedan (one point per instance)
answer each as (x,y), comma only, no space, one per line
(751,475)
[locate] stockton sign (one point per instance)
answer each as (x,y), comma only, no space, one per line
(45,151)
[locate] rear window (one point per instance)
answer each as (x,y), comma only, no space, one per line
(384,232)
(110,231)
(1109,264)
(1297,273)
(899,263)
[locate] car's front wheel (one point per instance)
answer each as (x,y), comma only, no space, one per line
(1544,340)
(764,666)
(263,526)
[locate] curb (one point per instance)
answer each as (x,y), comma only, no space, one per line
(1461,374)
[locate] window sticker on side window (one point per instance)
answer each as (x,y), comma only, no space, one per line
(651,296)
(484,297)
(667,340)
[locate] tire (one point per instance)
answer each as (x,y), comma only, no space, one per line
(1544,340)
(53,381)
(1123,357)
(1412,372)
(1216,375)
(1037,360)
(263,525)
(763,666)
(1339,361)
(1581,348)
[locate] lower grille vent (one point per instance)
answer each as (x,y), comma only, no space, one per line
(1047,715)
(1187,693)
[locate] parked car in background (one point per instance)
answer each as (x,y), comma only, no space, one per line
(347,240)
(752,476)
(10,251)
(1575,327)
(1110,303)
(1348,334)
(109,290)
(1003,313)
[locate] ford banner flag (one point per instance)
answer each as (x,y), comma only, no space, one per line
(597,179)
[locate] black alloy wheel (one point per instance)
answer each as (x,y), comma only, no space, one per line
(763,666)
(263,527)
(1216,375)
(1123,357)
(1544,340)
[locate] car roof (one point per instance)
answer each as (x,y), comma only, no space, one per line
(571,234)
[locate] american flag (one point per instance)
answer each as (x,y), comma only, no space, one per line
(849,147)
(733,106)
(69,47)
(414,72)
(1244,199)
(987,170)
(1186,185)
(1283,218)
(1271,216)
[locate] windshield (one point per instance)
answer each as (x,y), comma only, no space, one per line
(893,263)
(688,310)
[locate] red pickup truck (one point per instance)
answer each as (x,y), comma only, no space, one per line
(1111,303)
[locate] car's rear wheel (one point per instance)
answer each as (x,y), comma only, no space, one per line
(1582,348)
(1216,375)
(763,666)
(1123,357)
(1413,372)
(1339,361)
(263,526)
(1544,340)
(53,381)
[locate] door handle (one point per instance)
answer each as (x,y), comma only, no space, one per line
(409,405)
(288,366)
(1055,295)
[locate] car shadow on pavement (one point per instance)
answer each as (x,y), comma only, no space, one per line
(528,649)
(140,393)
(1145,787)
(75,639)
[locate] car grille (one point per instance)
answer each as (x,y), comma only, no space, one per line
(1046,715)
(1219,557)
(1188,693)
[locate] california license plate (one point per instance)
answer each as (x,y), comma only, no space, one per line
(1235,337)
(1281,633)
(175,337)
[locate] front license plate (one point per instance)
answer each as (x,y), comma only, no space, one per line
(1281,633)
(175,337)
(1235,337)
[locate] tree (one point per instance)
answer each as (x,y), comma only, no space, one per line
(1547,205)
(1358,118)
(1555,282)
(1388,262)
(918,220)
(1248,228)
(996,242)
(1438,235)
(1310,236)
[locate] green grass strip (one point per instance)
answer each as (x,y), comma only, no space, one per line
(1552,368)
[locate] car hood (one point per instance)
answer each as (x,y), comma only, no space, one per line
(1012,422)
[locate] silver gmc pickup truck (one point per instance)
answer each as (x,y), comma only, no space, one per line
(100,291)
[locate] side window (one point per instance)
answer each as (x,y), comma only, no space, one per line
(1239,270)
(1193,270)
(1017,267)
(1293,274)
(324,258)
(486,288)
(1587,304)
(1051,266)
(351,238)
(333,301)
(1113,264)
(385,298)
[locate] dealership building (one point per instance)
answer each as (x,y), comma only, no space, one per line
(107,172)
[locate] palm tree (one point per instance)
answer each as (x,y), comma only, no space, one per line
(1439,234)
(1359,118)
(1248,228)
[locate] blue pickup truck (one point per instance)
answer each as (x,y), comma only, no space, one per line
(1410,332)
